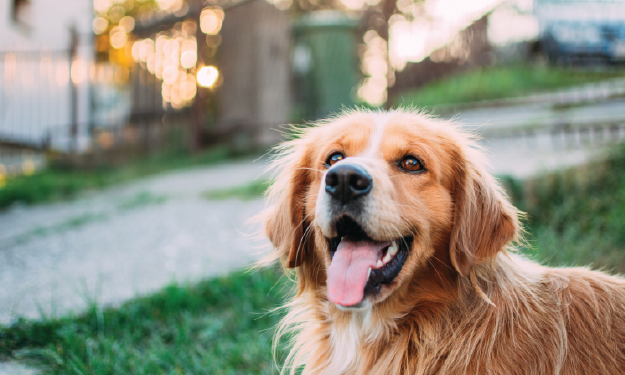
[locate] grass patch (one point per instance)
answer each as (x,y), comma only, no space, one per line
(61,183)
(220,326)
(253,190)
(577,216)
(499,82)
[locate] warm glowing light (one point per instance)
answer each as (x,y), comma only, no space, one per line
(374,65)
(189,44)
(78,71)
(99,25)
(9,67)
(168,57)
(159,45)
(207,76)
(507,24)
(177,5)
(62,73)
(176,99)
(170,74)
(409,42)
(171,61)
(190,27)
(136,48)
(127,23)
(166,4)
(102,6)
(353,4)
(283,4)
(219,12)
(188,59)
(211,20)
(158,65)
(146,49)
(116,13)
(118,37)
(166,92)
(188,90)
(209,23)
(151,63)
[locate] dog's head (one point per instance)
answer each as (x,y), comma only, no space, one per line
(364,201)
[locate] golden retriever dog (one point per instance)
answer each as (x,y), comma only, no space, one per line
(402,246)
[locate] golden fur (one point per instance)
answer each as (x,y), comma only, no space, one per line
(464,302)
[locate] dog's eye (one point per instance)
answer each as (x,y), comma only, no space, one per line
(334,158)
(411,164)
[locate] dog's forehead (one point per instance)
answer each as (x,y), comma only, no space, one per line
(391,135)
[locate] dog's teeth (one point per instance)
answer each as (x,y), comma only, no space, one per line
(380,264)
(387,258)
(368,273)
(393,249)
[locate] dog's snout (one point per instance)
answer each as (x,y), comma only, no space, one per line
(347,182)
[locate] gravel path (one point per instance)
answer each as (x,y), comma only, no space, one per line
(126,241)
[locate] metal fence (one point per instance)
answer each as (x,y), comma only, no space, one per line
(59,102)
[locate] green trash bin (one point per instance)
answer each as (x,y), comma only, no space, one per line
(325,63)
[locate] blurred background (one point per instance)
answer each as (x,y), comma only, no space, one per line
(131,136)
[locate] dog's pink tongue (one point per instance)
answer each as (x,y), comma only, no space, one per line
(347,274)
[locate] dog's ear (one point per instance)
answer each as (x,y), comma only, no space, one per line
(285,223)
(484,219)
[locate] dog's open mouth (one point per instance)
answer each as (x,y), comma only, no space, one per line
(361,265)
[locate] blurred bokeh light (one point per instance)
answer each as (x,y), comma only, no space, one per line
(207,76)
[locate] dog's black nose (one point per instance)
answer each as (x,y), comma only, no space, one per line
(347,182)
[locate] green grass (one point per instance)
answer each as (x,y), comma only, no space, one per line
(254,189)
(577,216)
(220,326)
(57,182)
(497,83)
